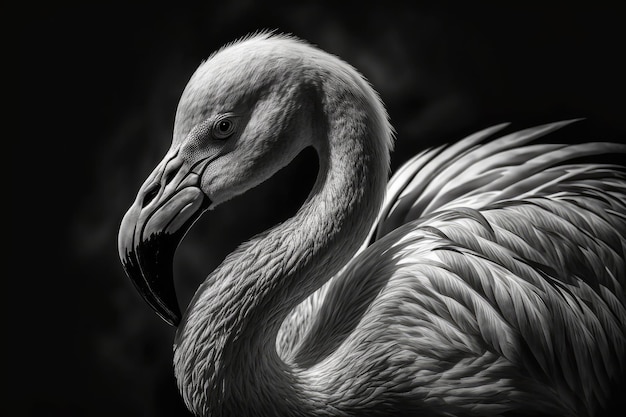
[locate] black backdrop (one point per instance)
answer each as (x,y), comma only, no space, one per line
(99,88)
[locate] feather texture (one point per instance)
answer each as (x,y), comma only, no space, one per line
(505,249)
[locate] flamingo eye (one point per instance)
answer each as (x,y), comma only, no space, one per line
(224,127)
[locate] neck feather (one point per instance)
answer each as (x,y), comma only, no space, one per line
(225,355)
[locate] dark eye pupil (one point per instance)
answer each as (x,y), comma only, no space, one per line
(224,126)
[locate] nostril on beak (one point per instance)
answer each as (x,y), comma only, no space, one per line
(151,193)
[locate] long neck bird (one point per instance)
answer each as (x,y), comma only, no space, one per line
(486,277)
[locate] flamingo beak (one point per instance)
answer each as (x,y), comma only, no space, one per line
(151,231)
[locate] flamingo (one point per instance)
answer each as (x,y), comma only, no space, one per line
(486,277)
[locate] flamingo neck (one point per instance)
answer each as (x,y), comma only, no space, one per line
(225,351)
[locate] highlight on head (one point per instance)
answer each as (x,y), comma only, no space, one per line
(240,72)
(281,90)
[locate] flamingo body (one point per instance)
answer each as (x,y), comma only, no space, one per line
(487,278)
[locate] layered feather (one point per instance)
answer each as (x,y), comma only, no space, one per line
(502,249)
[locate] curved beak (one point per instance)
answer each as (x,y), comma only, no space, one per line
(167,204)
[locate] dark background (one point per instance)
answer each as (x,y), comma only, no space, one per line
(98,90)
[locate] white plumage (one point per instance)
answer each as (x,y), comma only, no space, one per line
(488,279)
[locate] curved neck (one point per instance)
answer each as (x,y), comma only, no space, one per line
(225,351)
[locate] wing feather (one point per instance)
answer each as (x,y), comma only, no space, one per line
(440,177)
(505,257)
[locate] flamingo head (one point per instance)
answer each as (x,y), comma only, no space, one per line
(246,112)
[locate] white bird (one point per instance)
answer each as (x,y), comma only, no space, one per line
(487,278)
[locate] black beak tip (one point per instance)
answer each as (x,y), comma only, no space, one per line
(170,317)
(148,260)
(154,284)
(165,305)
